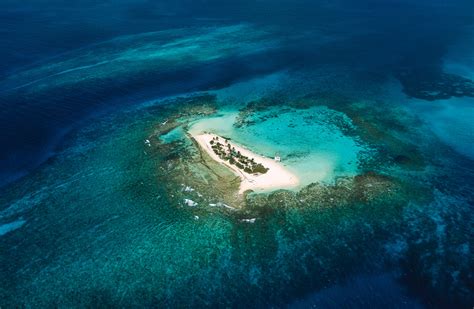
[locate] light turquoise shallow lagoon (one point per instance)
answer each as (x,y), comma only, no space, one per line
(310,141)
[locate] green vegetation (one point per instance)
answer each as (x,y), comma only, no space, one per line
(227,152)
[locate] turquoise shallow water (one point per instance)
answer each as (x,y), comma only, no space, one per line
(310,141)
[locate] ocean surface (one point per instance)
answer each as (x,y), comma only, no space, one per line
(370,102)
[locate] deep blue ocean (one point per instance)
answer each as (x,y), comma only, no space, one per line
(91,217)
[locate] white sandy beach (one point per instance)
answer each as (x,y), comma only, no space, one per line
(277,177)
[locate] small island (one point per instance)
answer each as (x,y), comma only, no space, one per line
(257,173)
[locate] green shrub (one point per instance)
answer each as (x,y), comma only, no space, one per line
(259,168)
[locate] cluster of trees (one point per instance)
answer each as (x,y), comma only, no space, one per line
(228,153)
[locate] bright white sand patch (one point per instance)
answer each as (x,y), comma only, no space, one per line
(277,176)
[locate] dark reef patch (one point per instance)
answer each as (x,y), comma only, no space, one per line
(437,85)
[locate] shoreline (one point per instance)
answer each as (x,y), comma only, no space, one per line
(277,176)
